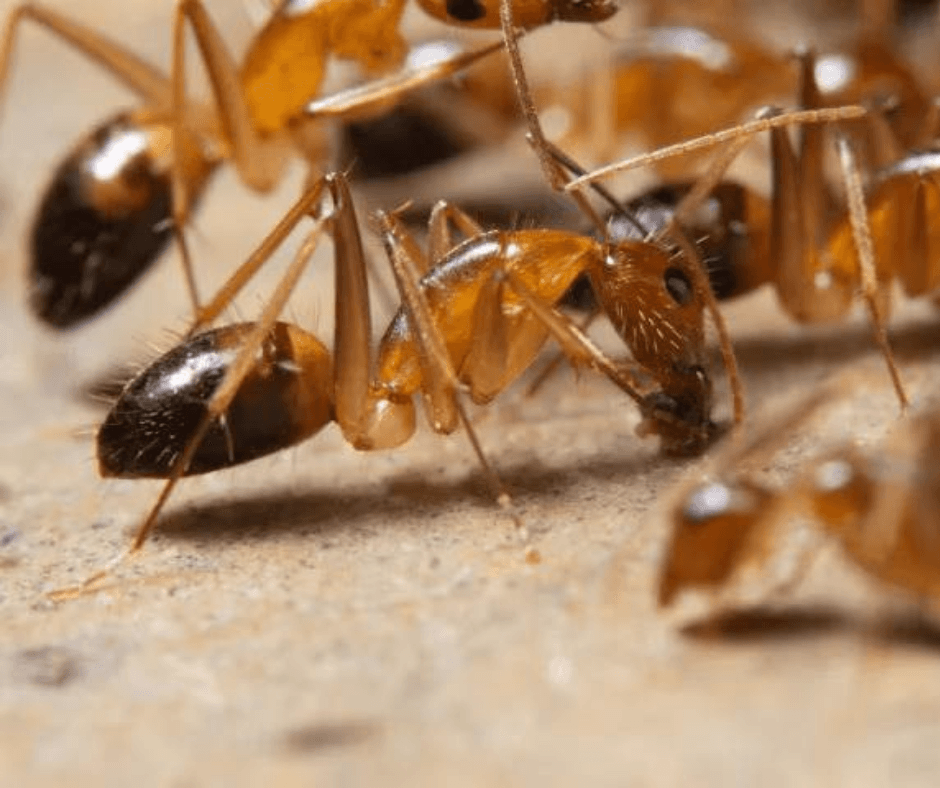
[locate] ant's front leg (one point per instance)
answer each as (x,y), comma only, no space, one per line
(679,417)
(440,386)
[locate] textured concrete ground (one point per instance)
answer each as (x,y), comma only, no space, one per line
(328,617)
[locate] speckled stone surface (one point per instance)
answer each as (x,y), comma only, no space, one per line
(325,617)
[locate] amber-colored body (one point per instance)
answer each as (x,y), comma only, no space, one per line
(883,511)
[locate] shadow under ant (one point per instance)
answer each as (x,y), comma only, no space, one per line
(408,496)
(764,623)
(325,736)
(756,355)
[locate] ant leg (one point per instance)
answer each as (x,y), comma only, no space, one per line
(535,136)
(440,240)
(917,273)
(440,380)
(259,164)
(139,76)
(441,387)
(861,231)
(816,202)
(367,418)
(552,159)
(378,95)
(558,359)
(764,122)
(234,376)
(242,275)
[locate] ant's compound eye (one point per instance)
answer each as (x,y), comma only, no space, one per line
(678,286)
(465,10)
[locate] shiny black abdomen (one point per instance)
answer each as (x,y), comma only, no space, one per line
(159,411)
(85,255)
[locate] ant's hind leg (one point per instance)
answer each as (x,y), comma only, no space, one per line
(870,286)
(368,420)
(218,404)
(141,77)
(304,207)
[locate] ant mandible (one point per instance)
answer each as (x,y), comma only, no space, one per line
(128,186)
(880,508)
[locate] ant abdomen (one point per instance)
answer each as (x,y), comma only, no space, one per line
(104,219)
(284,400)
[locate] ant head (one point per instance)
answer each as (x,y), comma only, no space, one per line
(650,297)
(712,527)
(104,219)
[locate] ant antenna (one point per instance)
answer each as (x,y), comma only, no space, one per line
(602,191)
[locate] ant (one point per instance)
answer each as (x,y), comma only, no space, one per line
(128,187)
(881,508)
(474,316)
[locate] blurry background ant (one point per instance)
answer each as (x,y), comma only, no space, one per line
(115,201)
(879,505)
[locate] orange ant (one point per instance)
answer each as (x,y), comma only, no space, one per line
(129,185)
(881,509)
(474,315)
